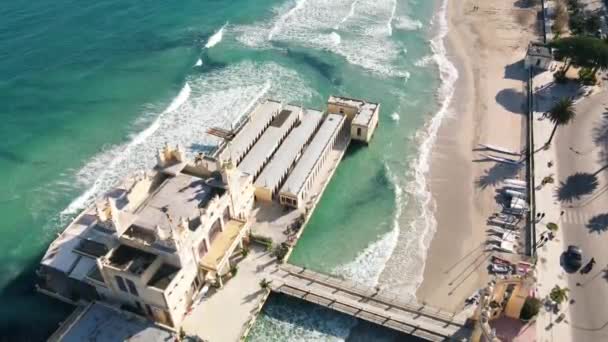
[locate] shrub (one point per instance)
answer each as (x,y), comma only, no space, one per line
(281,250)
(262,240)
(530,309)
(587,77)
(233,270)
(552,226)
(560,76)
(548,180)
(558,294)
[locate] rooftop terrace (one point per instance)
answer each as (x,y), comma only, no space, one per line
(163,276)
(179,196)
(130,259)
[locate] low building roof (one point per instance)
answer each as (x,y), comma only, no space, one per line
(296,180)
(289,150)
(365,114)
(98,322)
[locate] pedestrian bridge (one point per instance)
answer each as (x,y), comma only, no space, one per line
(380,307)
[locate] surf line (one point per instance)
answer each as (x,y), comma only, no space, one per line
(279,24)
(216,37)
(348,16)
(83,200)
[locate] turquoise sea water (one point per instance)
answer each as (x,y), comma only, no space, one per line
(89,91)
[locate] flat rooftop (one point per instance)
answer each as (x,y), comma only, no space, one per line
(179,196)
(269,141)
(366,112)
(329,128)
(101,323)
(252,129)
(345,101)
(289,150)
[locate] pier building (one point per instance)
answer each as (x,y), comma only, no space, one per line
(150,244)
(362,116)
(275,173)
(294,192)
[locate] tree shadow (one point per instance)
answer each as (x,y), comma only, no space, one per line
(598,224)
(516,71)
(576,186)
(600,137)
(524,3)
(512,100)
(497,174)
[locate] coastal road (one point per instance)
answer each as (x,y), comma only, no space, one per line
(583,194)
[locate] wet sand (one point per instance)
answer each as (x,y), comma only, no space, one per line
(487,45)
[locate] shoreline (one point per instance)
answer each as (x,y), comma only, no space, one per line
(486,108)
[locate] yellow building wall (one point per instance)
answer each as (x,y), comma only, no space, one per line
(349,111)
(263,194)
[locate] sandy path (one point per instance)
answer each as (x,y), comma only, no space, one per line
(487,45)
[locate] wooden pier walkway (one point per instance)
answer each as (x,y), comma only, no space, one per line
(381,307)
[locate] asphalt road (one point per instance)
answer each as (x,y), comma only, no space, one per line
(583,194)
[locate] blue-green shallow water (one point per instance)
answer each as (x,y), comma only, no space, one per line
(85,89)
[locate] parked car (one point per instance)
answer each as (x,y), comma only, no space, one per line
(500,269)
(573,258)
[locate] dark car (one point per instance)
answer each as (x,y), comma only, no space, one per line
(573,258)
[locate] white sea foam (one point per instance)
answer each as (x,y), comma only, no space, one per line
(424,61)
(389,25)
(411,253)
(407,24)
(198,63)
(179,100)
(349,15)
(335,37)
(216,99)
(366,43)
(395,116)
(276,28)
(216,37)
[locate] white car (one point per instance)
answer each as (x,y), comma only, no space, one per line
(500,269)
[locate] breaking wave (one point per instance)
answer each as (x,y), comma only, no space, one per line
(216,37)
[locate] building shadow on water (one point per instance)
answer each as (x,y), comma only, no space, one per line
(598,224)
(25,314)
(576,186)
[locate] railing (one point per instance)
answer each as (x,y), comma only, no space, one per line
(531,239)
(385,297)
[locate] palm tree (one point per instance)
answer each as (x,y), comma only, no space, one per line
(561,114)
(559,294)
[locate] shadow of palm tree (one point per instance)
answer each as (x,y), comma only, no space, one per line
(497,174)
(511,100)
(576,186)
(598,224)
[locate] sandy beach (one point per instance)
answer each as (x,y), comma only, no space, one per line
(487,45)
